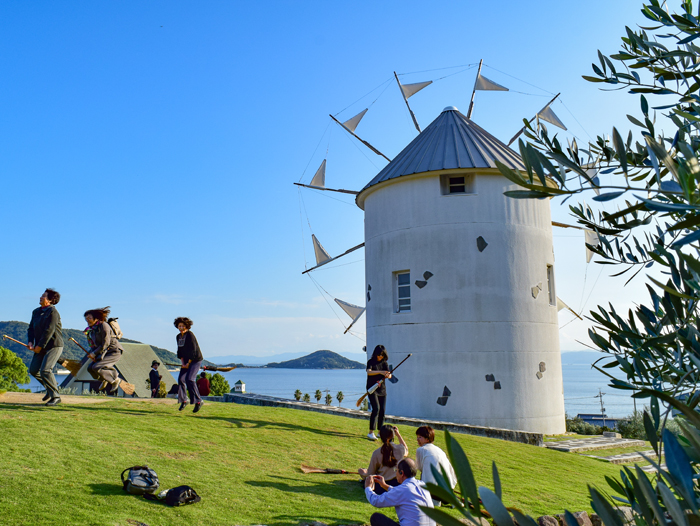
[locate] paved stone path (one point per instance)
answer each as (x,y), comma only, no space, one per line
(579,445)
(626,458)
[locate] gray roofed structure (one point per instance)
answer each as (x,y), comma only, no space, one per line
(451,141)
(133,366)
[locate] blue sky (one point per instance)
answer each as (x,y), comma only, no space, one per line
(148,150)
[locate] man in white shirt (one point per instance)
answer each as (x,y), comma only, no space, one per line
(406,498)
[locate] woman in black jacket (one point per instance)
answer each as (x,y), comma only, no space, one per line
(191,358)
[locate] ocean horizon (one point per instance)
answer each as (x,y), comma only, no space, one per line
(582,385)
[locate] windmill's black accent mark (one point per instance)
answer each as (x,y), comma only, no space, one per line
(427,275)
(539,375)
(481,243)
(542,367)
(446,392)
(497,385)
(369,287)
(442,400)
(420,284)
(368,298)
(490,378)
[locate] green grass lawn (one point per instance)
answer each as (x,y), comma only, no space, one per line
(61,465)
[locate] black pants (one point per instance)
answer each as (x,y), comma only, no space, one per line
(378,405)
(379,519)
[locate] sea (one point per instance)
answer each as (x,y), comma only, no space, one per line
(583,385)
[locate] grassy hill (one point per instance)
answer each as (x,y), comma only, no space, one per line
(319,360)
(61,465)
(18,331)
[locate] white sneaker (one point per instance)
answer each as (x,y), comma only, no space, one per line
(372,436)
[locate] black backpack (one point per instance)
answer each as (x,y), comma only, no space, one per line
(141,480)
(181,495)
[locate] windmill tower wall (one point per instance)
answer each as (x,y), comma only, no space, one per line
(485,349)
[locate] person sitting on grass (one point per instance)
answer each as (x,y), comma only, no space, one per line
(203,384)
(428,455)
(406,498)
(385,459)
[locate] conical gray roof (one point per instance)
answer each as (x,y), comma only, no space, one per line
(450,141)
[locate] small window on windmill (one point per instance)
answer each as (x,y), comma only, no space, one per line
(402,302)
(550,285)
(452,184)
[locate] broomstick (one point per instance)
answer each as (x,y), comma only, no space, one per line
(376,386)
(17,341)
(125,386)
(76,342)
(206,367)
(331,471)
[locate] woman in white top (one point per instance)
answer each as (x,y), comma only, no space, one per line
(428,455)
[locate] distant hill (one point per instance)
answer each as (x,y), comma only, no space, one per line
(318,360)
(18,331)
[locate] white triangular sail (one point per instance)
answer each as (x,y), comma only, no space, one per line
(593,175)
(593,240)
(351,124)
(351,310)
(411,89)
(484,84)
(547,114)
(320,177)
(321,255)
(561,305)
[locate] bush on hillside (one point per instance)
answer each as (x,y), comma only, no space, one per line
(633,426)
(218,385)
(578,426)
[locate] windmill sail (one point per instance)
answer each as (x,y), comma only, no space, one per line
(407,91)
(561,305)
(321,255)
(547,114)
(411,89)
(484,84)
(351,310)
(320,177)
(593,240)
(351,124)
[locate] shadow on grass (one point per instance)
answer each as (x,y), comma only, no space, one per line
(346,490)
(108,490)
(238,422)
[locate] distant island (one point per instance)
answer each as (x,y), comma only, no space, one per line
(18,331)
(318,360)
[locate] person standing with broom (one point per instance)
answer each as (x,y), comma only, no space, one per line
(377,370)
(45,338)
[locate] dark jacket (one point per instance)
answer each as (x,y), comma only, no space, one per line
(374,365)
(155,378)
(104,339)
(188,348)
(45,328)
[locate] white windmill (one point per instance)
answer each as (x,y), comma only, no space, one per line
(460,276)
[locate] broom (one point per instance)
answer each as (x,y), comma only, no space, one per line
(331,471)
(124,385)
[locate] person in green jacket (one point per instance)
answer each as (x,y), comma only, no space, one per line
(45,338)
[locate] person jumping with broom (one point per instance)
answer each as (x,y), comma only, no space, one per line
(105,351)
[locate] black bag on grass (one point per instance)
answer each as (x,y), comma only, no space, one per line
(141,480)
(181,495)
